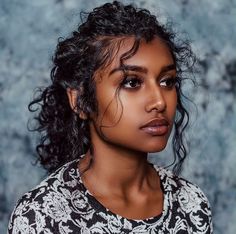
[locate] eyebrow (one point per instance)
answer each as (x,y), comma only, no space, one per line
(140,69)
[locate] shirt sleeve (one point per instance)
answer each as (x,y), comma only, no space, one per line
(29,217)
(195,205)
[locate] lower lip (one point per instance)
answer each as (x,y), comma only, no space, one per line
(156,131)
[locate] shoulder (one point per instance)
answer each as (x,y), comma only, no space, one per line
(49,202)
(181,187)
(187,200)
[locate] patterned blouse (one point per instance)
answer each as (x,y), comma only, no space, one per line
(62,204)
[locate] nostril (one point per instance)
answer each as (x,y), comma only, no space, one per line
(156,105)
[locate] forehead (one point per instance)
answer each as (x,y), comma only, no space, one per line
(155,53)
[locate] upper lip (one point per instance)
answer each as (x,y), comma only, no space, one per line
(156,122)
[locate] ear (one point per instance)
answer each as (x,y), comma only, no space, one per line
(73,96)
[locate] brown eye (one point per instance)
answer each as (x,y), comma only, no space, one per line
(168,82)
(131,82)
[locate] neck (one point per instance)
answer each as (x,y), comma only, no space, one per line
(114,167)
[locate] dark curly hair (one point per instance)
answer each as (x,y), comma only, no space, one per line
(64,135)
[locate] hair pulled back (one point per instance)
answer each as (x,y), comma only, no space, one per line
(65,136)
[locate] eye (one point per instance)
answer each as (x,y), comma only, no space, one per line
(131,82)
(168,82)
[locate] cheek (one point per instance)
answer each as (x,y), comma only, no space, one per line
(109,108)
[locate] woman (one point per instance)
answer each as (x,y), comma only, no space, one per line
(115,96)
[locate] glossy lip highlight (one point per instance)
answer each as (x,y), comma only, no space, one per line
(156,127)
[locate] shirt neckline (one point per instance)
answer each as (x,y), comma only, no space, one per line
(98,207)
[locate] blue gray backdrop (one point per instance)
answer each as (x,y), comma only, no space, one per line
(28,34)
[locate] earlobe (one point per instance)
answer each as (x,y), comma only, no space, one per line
(82,115)
(73,96)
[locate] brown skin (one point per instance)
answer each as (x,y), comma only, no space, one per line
(120,176)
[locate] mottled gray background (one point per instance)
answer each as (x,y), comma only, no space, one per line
(28,34)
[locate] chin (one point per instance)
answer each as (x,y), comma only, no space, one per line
(156,148)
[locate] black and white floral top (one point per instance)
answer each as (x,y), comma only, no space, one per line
(62,204)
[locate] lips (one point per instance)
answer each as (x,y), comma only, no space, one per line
(156,127)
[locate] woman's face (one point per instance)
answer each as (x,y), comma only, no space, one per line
(136,110)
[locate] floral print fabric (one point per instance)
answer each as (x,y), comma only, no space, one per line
(62,204)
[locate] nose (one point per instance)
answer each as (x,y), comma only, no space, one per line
(156,100)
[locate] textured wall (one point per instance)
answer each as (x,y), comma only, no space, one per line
(28,33)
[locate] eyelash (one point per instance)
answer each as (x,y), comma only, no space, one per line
(128,79)
(172,82)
